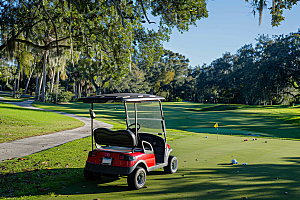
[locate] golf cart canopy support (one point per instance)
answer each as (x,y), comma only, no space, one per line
(122,97)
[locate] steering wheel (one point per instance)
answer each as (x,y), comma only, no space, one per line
(133,129)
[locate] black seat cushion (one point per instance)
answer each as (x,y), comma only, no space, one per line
(122,138)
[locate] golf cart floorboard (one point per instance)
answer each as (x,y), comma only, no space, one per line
(157,166)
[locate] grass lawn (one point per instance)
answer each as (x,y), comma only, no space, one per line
(272,170)
(204,172)
(273,121)
(18,123)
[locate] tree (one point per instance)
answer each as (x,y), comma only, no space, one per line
(276,9)
(84,26)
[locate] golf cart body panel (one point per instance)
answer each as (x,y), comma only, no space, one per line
(141,148)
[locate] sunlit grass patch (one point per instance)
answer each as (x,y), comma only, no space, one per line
(18,123)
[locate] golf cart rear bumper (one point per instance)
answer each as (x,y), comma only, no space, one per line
(108,169)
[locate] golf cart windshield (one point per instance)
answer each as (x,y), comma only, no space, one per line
(148,116)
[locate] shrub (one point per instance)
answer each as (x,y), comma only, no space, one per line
(59,95)
(19,93)
(178,99)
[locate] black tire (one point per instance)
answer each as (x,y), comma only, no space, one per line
(137,179)
(90,175)
(172,166)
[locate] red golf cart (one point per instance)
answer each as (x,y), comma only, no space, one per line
(133,152)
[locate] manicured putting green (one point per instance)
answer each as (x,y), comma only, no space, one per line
(226,131)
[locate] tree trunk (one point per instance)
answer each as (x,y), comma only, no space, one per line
(28,81)
(36,86)
(79,90)
(57,82)
(44,77)
(40,86)
(98,89)
(30,75)
(16,85)
(52,80)
(74,88)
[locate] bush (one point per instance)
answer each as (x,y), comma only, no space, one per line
(65,96)
(59,95)
(178,99)
(19,93)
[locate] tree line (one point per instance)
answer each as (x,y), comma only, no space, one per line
(266,72)
(67,48)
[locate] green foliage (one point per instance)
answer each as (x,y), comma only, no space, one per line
(59,95)
(101,37)
(19,93)
(276,9)
(178,99)
(264,73)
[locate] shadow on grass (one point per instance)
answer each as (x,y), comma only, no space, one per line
(263,181)
(45,181)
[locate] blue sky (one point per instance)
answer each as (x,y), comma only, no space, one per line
(229,26)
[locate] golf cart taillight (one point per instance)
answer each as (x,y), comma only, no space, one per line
(92,153)
(127,157)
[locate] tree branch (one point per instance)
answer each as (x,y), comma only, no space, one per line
(144,11)
(45,47)
(293,95)
(57,53)
(119,11)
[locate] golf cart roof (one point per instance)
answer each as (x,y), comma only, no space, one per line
(121,97)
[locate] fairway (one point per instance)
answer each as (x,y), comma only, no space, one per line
(273,121)
(232,119)
(204,172)
(272,172)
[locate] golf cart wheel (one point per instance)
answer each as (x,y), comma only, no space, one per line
(172,165)
(137,179)
(90,175)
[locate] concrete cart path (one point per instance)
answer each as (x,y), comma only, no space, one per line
(27,146)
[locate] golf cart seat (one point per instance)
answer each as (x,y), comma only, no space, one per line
(121,138)
(157,143)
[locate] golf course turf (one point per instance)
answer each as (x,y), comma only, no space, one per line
(204,172)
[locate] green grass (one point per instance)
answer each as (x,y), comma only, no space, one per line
(11,99)
(204,172)
(109,113)
(18,122)
(272,121)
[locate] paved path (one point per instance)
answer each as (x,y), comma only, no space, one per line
(27,146)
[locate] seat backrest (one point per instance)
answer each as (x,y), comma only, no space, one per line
(122,138)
